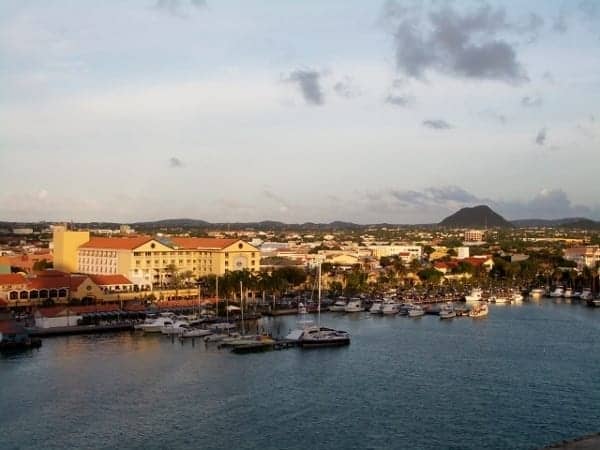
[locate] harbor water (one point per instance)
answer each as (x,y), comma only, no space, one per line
(526,376)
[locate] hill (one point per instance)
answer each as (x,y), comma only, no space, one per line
(481,216)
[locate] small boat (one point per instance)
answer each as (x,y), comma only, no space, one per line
(354,305)
(220,337)
(339,305)
(376,307)
(568,293)
(447,311)
(177,327)
(499,299)
(189,332)
(479,310)
(390,308)
(537,292)
(586,294)
(416,311)
(475,295)
(516,297)
(301,308)
(559,291)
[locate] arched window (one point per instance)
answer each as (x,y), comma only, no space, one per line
(44,293)
(34,294)
(14,295)
(62,293)
(53,293)
(24,295)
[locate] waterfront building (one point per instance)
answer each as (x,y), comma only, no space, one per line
(65,244)
(583,256)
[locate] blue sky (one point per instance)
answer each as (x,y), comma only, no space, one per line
(298,111)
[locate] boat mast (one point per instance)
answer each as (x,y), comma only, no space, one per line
(242,307)
(217,295)
(319,296)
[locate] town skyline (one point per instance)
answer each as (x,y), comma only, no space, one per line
(397,112)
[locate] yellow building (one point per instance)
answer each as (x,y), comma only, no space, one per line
(65,245)
(151,261)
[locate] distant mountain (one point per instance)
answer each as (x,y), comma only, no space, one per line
(481,216)
(568,222)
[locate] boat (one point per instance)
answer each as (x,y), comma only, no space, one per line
(568,293)
(586,294)
(190,332)
(516,297)
(155,325)
(475,296)
(416,311)
(354,305)
(177,327)
(301,308)
(447,311)
(318,336)
(479,310)
(499,299)
(559,291)
(376,307)
(218,337)
(339,305)
(390,308)
(537,292)
(404,308)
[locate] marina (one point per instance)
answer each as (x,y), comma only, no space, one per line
(410,372)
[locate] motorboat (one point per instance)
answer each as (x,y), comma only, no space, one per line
(218,337)
(339,305)
(323,337)
(516,297)
(479,310)
(190,332)
(416,311)
(537,292)
(559,291)
(155,325)
(301,308)
(586,294)
(221,327)
(177,327)
(447,311)
(404,308)
(475,296)
(354,305)
(390,308)
(376,307)
(500,299)
(568,293)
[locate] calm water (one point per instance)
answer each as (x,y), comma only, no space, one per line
(527,376)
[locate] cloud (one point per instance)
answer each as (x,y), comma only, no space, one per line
(437,124)
(346,88)
(177,8)
(400,100)
(540,138)
(432,204)
(531,102)
(309,83)
(494,115)
(175,162)
(283,204)
(461,44)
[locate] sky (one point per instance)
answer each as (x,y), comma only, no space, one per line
(365,111)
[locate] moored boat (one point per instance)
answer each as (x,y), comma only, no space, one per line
(416,311)
(390,307)
(479,310)
(447,311)
(339,305)
(354,305)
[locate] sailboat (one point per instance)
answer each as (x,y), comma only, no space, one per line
(318,336)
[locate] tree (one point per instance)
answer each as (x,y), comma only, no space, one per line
(430,275)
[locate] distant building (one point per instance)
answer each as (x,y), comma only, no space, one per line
(22,231)
(462,252)
(585,256)
(474,236)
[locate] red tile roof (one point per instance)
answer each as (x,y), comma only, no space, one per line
(53,282)
(191,243)
(122,243)
(108,280)
(12,278)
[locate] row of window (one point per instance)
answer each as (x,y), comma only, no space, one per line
(100,253)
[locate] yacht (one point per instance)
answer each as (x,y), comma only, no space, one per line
(416,311)
(323,337)
(177,327)
(516,297)
(499,299)
(475,296)
(354,305)
(559,291)
(568,293)
(376,307)
(189,332)
(339,305)
(447,311)
(390,307)
(155,325)
(479,310)
(537,292)
(586,294)
(404,308)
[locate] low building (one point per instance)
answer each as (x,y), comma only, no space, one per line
(583,256)
(59,316)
